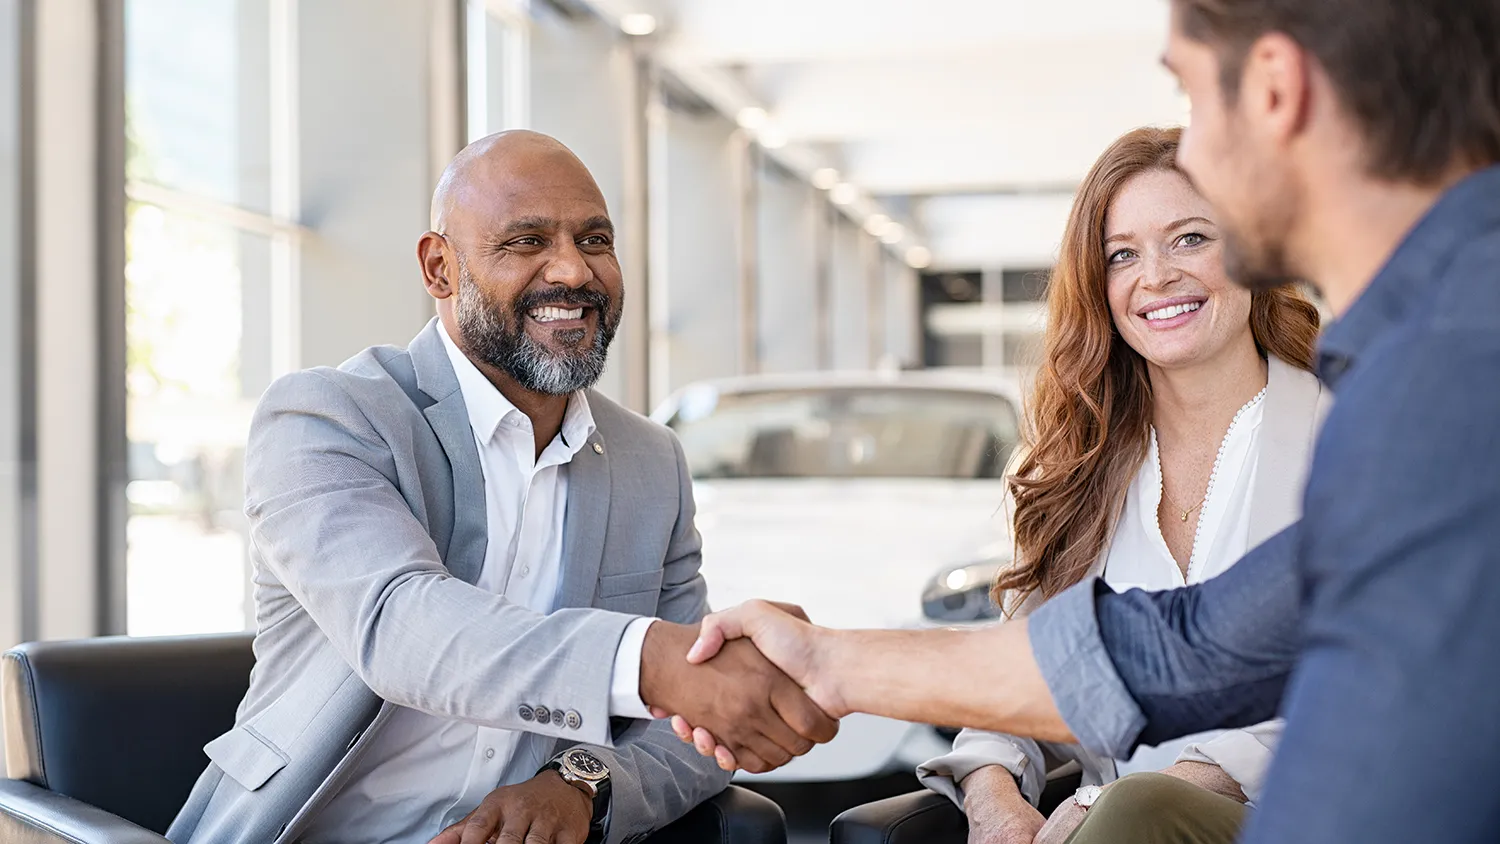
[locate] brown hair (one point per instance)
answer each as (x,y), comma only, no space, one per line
(1420,77)
(1089,414)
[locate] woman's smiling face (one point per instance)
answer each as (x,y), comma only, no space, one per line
(1169,296)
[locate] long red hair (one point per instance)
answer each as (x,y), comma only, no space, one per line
(1088,418)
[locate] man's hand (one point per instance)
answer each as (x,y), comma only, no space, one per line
(762,716)
(542,810)
(783,635)
(997,812)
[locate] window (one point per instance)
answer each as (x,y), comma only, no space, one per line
(498,55)
(209,289)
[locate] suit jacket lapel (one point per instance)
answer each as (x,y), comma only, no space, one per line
(584,523)
(1288,430)
(449,418)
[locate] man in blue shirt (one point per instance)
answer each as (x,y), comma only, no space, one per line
(1354,143)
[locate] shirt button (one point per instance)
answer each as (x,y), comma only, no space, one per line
(489,753)
(526,571)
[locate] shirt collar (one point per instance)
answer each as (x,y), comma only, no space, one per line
(1414,269)
(488,407)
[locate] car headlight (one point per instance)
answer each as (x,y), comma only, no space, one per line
(962,593)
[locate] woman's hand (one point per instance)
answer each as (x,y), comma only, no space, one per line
(997,812)
(1065,818)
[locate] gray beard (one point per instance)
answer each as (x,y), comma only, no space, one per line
(500,340)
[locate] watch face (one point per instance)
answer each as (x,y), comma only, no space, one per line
(1087,795)
(585,765)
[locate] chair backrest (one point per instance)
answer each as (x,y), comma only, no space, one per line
(120,723)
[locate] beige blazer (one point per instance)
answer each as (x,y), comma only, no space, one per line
(1296,404)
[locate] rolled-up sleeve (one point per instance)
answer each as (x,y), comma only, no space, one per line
(975,749)
(1245,755)
(1072,656)
(1144,667)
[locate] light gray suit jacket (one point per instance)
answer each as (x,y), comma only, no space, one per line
(367,523)
(1295,405)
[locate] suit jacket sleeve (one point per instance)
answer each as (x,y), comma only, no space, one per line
(327,519)
(654,777)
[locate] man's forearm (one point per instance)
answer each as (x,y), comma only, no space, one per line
(984,678)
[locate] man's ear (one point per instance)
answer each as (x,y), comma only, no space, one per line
(432,256)
(1276,86)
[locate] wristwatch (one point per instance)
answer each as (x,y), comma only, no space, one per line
(1086,796)
(587,773)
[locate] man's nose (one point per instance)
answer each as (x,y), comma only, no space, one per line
(568,267)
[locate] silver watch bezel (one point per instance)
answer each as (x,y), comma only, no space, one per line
(1090,793)
(571,773)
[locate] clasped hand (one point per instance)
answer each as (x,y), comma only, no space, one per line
(764,656)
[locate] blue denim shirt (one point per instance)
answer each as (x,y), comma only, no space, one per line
(1373,624)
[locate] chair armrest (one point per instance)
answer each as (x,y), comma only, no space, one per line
(922,817)
(733,816)
(33,815)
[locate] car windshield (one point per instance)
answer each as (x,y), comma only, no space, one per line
(859,432)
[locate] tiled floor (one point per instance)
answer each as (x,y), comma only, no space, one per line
(811,807)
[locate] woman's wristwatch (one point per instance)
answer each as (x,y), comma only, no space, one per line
(1086,796)
(587,773)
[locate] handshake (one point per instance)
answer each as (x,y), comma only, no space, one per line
(746,687)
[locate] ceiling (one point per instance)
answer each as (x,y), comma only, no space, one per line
(969,120)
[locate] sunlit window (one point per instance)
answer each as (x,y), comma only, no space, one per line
(209,247)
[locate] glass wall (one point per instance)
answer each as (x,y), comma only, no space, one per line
(207,248)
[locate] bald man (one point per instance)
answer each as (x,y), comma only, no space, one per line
(474,575)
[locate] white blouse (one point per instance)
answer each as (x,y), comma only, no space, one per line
(1138,557)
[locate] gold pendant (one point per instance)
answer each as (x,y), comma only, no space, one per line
(1185,515)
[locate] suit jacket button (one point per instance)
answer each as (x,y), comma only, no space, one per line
(526,712)
(557,717)
(543,715)
(574,720)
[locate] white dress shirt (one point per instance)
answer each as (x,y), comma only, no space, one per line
(1138,556)
(421,772)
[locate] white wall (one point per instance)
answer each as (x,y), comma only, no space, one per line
(365,173)
(698,261)
(787,255)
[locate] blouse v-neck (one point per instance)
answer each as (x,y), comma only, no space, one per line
(1138,554)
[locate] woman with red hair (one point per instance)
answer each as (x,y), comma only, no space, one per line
(1168,432)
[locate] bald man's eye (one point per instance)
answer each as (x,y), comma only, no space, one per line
(528,242)
(596,243)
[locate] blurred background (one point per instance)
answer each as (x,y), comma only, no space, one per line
(837,219)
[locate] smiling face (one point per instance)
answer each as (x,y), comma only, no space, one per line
(525,267)
(1169,296)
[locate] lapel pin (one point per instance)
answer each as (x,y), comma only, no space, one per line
(598,448)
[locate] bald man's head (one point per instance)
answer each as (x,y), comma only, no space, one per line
(521,258)
(490,162)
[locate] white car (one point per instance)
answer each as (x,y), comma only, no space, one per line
(871,500)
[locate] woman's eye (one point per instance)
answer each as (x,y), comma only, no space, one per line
(1121,255)
(1192,239)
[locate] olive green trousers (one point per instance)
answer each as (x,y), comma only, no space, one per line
(1158,809)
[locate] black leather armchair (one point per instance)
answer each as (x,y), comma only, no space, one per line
(924,817)
(104,739)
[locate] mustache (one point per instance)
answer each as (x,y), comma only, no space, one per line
(566,298)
